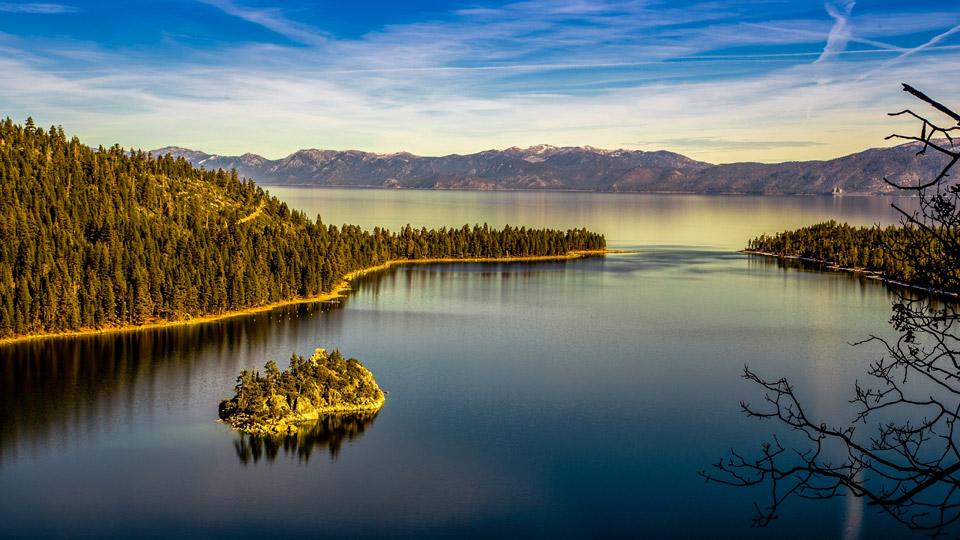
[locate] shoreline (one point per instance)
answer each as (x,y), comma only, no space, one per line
(871,274)
(338,292)
(576,190)
(291,423)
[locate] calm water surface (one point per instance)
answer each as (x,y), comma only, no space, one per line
(573,399)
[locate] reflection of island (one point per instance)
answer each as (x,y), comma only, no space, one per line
(328,433)
(89,387)
(277,402)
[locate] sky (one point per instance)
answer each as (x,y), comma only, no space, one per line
(719,81)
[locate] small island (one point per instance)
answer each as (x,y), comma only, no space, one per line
(277,402)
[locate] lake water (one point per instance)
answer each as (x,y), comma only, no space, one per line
(563,399)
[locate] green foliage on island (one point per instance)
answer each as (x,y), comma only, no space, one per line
(99,238)
(276,402)
(896,253)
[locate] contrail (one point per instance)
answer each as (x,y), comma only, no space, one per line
(897,59)
(839,34)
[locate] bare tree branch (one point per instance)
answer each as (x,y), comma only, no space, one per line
(908,469)
(923,97)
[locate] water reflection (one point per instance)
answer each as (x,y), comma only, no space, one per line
(863,280)
(725,222)
(592,390)
(497,347)
(853,519)
(326,434)
(53,391)
(87,387)
(373,282)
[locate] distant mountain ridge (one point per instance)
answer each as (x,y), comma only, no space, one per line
(578,168)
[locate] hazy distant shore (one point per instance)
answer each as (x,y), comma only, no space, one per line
(578,169)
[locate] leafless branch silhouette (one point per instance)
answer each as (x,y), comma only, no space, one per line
(909,466)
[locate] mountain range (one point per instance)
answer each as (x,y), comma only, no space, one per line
(580,168)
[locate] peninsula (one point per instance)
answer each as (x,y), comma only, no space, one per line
(276,402)
(108,239)
(898,255)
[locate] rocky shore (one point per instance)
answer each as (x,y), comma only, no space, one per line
(276,403)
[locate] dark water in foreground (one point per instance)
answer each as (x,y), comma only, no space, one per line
(564,399)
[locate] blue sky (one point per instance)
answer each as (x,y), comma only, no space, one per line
(718,81)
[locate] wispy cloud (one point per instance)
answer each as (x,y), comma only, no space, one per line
(692,77)
(272,19)
(837,47)
(925,46)
(37,8)
(840,32)
(699,143)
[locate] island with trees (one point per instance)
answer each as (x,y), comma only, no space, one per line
(277,402)
(101,239)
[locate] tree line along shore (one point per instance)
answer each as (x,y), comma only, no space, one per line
(900,254)
(94,239)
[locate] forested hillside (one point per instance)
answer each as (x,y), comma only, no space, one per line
(94,238)
(897,253)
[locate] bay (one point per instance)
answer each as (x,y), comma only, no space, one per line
(562,399)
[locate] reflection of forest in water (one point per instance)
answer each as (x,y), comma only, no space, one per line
(71,389)
(328,433)
(496,278)
(77,388)
(864,280)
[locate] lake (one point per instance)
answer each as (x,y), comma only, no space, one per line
(561,399)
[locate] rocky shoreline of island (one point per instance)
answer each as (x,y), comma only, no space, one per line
(277,402)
